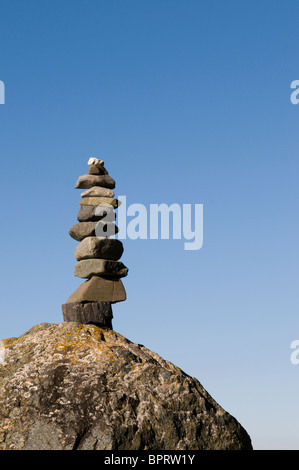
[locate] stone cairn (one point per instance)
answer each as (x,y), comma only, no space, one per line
(97,254)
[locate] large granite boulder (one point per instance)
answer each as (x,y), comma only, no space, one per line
(73,386)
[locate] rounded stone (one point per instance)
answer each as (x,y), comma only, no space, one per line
(94,247)
(82,230)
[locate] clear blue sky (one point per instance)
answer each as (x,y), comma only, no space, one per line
(187,102)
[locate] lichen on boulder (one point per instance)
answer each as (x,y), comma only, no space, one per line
(73,386)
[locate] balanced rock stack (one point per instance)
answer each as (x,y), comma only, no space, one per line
(97,254)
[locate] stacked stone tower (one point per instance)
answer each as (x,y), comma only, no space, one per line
(97,254)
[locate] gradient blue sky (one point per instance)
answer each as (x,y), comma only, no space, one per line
(187,102)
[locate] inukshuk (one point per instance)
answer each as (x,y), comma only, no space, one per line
(98,253)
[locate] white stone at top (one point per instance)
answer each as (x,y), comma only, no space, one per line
(93,161)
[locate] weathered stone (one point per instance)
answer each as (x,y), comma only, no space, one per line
(87,268)
(97,169)
(88,181)
(96,313)
(98,191)
(100,201)
(94,213)
(93,247)
(82,230)
(78,387)
(99,289)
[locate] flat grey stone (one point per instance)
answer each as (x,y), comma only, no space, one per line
(94,213)
(98,191)
(100,267)
(100,201)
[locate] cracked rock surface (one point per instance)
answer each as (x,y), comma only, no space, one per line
(71,386)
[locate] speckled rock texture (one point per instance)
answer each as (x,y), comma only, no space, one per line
(70,386)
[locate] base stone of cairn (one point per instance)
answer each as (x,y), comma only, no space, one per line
(94,313)
(97,256)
